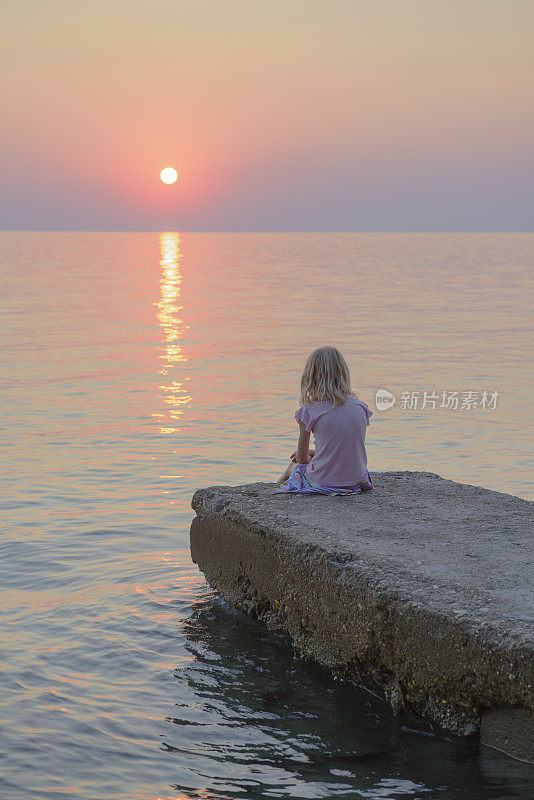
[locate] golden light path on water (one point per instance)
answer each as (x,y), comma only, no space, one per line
(173,329)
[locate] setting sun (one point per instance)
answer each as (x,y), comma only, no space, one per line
(169,175)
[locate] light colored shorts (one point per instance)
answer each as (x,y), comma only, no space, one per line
(299,482)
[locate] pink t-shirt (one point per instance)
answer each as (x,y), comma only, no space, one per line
(340,458)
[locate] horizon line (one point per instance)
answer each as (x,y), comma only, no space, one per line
(261,230)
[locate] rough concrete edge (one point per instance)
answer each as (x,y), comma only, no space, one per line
(461,717)
(220,500)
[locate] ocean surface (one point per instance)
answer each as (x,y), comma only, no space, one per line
(137,367)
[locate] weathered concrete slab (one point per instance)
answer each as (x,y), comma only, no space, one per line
(422,587)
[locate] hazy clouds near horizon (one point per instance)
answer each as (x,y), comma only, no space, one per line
(333,115)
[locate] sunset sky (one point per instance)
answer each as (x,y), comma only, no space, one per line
(356,115)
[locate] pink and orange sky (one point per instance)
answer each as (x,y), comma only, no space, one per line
(351,115)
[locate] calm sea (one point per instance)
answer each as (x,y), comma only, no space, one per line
(140,366)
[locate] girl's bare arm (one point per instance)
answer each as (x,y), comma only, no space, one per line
(303,451)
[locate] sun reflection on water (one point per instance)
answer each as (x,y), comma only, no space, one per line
(175,397)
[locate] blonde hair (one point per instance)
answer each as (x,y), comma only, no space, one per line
(326,377)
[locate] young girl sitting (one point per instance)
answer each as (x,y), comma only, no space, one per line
(337,419)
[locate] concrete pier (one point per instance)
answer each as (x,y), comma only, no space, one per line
(421,588)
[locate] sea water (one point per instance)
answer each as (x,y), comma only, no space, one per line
(140,366)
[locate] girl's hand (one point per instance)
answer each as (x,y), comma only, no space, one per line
(294,455)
